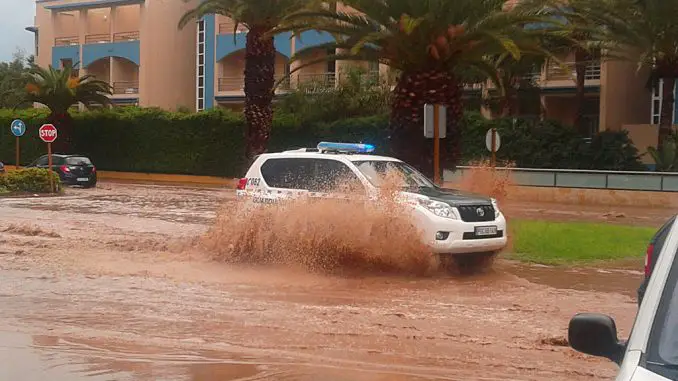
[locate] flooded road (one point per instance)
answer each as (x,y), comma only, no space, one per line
(103,284)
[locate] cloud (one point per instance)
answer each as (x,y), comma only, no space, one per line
(17,15)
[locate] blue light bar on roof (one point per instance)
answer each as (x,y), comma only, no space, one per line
(346,147)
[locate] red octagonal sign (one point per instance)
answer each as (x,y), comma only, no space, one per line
(48,133)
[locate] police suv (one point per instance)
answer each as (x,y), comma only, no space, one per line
(465,228)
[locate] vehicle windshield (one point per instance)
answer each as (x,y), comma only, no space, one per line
(78,160)
(381,172)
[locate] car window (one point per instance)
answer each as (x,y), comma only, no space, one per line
(43,160)
(377,171)
(659,240)
(315,175)
(286,173)
(333,175)
(662,354)
(58,160)
(78,160)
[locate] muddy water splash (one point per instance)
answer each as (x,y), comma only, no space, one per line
(324,235)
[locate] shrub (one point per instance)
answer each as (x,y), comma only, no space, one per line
(548,144)
(29,180)
(212,142)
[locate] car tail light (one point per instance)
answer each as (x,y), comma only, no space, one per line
(242,183)
(648,259)
(94,169)
(65,169)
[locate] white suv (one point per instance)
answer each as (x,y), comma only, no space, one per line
(466,228)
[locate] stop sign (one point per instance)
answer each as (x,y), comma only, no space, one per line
(48,133)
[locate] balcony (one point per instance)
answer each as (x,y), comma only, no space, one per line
(66,41)
(567,72)
(126,88)
(97,38)
(318,80)
(237,84)
(228,26)
(126,36)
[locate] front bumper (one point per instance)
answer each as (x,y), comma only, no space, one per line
(461,238)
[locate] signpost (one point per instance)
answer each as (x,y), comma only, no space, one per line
(492,142)
(18,128)
(435,126)
(48,134)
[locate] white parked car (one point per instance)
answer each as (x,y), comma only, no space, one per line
(463,227)
(651,353)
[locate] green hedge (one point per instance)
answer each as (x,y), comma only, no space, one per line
(211,142)
(28,180)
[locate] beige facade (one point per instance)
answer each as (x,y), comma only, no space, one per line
(136,46)
(132,44)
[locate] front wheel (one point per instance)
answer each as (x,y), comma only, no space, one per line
(468,264)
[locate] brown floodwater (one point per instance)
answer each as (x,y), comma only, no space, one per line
(111,284)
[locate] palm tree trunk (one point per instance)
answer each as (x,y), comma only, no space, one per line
(580,57)
(64,125)
(259,81)
(412,92)
(666,115)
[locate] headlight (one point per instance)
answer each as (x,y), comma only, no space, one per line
(438,208)
(495,205)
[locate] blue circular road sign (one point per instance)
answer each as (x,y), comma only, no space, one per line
(18,128)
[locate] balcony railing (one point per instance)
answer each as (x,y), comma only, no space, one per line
(227,28)
(318,80)
(556,72)
(65,41)
(238,84)
(126,87)
(126,36)
(97,38)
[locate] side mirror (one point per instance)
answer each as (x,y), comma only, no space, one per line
(596,335)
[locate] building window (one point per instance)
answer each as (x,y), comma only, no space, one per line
(200,83)
(656,112)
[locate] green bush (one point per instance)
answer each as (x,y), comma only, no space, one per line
(212,142)
(548,144)
(29,180)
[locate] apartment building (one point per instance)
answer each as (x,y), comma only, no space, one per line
(136,46)
(132,44)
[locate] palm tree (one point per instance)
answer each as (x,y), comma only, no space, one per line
(584,38)
(58,90)
(260,17)
(429,43)
(644,31)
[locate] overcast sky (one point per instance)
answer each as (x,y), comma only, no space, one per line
(16,15)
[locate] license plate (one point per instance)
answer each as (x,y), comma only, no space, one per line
(486,230)
(83,178)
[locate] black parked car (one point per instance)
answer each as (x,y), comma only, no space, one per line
(72,169)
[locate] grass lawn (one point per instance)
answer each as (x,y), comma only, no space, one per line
(575,242)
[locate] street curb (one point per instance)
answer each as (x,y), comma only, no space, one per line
(159,178)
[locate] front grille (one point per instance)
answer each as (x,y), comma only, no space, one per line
(472,236)
(476,213)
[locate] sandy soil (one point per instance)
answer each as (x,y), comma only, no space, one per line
(106,284)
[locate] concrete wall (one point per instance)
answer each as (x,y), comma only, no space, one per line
(168,56)
(643,136)
(98,21)
(127,18)
(124,70)
(624,98)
